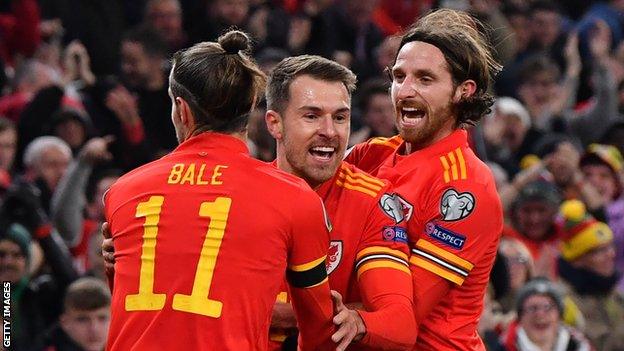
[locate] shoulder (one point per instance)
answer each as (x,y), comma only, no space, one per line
(286,181)
(359,184)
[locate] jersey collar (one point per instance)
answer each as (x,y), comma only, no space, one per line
(459,138)
(212,140)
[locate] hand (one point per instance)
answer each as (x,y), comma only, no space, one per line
(283,316)
(350,325)
(96,150)
(108,250)
(600,40)
(124,105)
(77,63)
(572,56)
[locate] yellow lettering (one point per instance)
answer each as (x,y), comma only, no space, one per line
(176,173)
(216,174)
(189,175)
(200,181)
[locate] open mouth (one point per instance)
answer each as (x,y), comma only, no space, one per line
(412,115)
(322,153)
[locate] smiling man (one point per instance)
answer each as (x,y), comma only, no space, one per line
(440,78)
(308,100)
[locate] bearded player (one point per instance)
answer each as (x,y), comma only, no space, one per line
(440,81)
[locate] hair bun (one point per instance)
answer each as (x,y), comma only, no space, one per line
(234,41)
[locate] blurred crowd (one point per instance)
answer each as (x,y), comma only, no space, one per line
(83,99)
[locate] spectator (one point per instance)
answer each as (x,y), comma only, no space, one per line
(165,18)
(376,110)
(540,326)
(83,326)
(70,204)
(30,77)
(533,215)
(587,267)
(35,300)
(20,30)
(8,146)
(46,159)
(602,166)
(143,58)
(508,134)
(72,126)
(521,269)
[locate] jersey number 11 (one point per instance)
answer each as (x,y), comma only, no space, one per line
(197,302)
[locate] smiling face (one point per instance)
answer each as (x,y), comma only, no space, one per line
(422,92)
(313,130)
(540,319)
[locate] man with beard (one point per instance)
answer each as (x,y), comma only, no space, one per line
(308,101)
(440,79)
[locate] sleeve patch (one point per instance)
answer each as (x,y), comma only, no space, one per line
(445,236)
(394,233)
(455,206)
(395,207)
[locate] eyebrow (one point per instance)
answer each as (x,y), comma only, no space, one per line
(318,109)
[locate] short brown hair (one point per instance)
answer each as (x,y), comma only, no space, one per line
(285,72)
(87,294)
(467,52)
(220,82)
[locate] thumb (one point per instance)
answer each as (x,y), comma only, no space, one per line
(106,231)
(337,298)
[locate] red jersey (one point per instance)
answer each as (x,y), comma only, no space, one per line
(367,234)
(202,239)
(455,220)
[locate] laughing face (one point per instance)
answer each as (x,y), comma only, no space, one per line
(423,94)
(313,130)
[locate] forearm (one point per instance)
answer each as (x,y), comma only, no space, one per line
(68,202)
(57,255)
(314,311)
(387,295)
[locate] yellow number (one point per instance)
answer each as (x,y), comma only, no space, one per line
(146,300)
(197,302)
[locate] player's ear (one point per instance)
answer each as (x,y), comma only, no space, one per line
(465,89)
(274,123)
(184,112)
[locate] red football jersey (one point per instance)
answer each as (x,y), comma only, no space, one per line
(202,240)
(455,222)
(367,232)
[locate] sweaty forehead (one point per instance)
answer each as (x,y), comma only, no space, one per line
(327,95)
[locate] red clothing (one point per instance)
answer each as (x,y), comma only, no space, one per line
(368,256)
(19,30)
(202,239)
(455,221)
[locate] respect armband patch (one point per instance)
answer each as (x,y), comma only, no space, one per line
(445,236)
(394,233)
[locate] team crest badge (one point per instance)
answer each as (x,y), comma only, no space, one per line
(455,206)
(334,255)
(395,207)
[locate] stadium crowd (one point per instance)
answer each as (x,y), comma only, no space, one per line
(84,99)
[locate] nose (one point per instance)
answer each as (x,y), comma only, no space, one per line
(406,89)
(326,127)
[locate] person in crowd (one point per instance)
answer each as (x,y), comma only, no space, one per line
(587,268)
(83,325)
(540,326)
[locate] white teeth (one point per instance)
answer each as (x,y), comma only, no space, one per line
(410,109)
(323,149)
